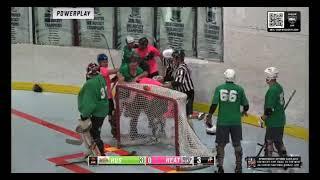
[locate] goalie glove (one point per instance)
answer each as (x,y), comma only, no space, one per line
(84,125)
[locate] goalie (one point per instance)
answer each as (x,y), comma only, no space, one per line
(93,107)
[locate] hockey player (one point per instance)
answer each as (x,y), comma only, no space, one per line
(148,54)
(128,49)
(105,72)
(131,72)
(93,107)
(182,81)
(229,96)
(153,110)
(274,115)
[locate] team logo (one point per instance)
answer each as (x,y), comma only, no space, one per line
(292,20)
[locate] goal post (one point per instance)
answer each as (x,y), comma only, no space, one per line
(155,116)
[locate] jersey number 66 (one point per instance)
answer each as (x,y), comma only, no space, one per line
(225,95)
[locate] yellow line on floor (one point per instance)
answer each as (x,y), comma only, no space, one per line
(292,130)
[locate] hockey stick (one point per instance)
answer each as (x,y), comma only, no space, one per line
(104,37)
(74,141)
(293,93)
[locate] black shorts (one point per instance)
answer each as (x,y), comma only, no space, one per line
(274,133)
(189,105)
(222,134)
(111,106)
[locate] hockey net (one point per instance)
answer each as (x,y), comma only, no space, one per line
(155,117)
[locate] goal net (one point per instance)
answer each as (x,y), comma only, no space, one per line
(155,117)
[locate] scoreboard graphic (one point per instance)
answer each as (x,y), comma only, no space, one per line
(150,160)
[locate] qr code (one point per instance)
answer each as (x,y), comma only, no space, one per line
(275,19)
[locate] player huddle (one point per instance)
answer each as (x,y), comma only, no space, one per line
(139,65)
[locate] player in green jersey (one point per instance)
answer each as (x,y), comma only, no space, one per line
(128,49)
(131,72)
(274,115)
(93,106)
(230,97)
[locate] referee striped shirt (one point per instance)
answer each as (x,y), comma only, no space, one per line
(182,75)
(168,63)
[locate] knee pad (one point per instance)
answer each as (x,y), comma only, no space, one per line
(236,145)
(238,149)
(220,147)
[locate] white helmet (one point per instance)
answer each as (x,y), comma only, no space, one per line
(167,53)
(271,73)
(129,39)
(230,75)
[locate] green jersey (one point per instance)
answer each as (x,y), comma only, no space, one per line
(274,99)
(125,71)
(229,97)
(126,55)
(92,98)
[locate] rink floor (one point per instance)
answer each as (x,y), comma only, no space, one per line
(40,123)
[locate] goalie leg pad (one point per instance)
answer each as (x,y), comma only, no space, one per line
(90,144)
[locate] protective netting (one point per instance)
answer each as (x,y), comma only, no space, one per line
(155,117)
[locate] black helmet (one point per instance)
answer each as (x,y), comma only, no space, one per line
(143,41)
(178,54)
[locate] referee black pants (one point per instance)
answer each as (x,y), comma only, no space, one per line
(189,105)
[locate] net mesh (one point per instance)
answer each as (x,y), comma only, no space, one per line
(155,117)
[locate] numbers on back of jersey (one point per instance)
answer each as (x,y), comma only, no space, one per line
(226,95)
(103,93)
(281,98)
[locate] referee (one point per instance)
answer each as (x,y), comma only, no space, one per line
(167,61)
(182,81)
